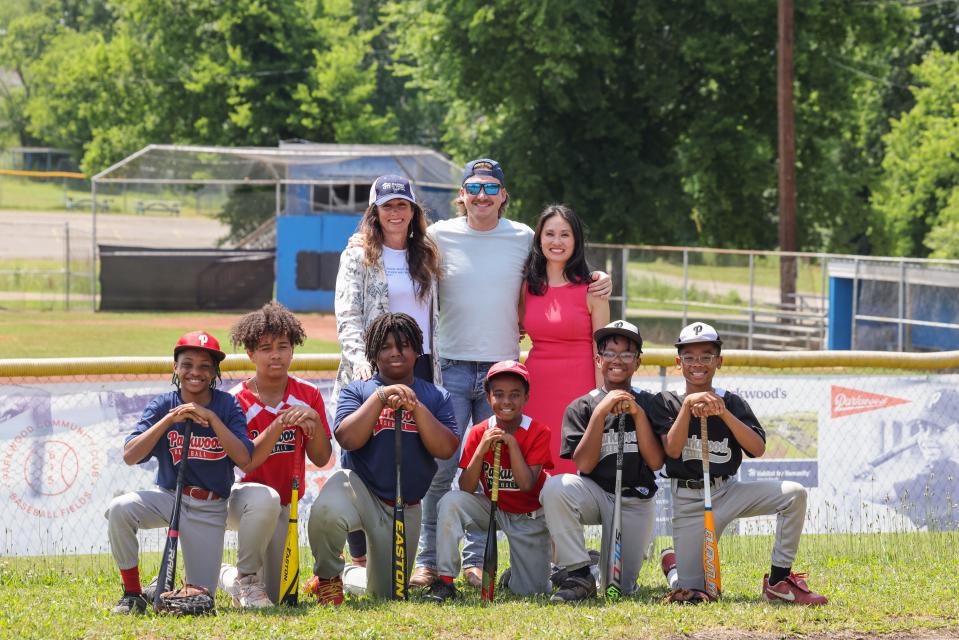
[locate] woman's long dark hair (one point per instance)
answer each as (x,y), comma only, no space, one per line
(576,270)
(422,256)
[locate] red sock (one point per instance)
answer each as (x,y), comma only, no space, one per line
(131,580)
(447,579)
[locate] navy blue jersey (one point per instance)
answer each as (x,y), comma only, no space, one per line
(375,461)
(208,466)
(725,454)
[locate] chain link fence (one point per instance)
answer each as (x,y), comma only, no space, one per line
(873,437)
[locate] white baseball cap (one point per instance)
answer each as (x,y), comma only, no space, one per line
(620,328)
(698,332)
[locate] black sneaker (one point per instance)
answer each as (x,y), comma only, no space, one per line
(129,604)
(575,588)
(440,592)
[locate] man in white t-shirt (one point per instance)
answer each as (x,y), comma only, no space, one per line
(482,255)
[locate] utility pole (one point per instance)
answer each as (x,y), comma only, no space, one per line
(787,154)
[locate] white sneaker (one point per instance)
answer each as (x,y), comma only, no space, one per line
(251,594)
(354,580)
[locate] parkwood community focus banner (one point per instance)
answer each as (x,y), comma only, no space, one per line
(877,453)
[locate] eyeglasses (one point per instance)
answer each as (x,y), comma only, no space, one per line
(625,357)
(703,359)
(474,188)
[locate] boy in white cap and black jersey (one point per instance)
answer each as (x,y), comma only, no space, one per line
(733,430)
(590,440)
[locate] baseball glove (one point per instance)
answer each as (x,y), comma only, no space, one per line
(686,596)
(188,600)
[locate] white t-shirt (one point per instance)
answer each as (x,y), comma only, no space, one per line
(402,292)
(482,272)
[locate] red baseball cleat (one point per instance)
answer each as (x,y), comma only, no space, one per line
(793,590)
(329,591)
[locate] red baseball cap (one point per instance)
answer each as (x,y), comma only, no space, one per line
(508,366)
(199,340)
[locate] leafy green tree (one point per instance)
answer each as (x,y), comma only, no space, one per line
(655,120)
(919,198)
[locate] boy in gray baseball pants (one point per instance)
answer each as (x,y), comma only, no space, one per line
(732,430)
(524,459)
(590,439)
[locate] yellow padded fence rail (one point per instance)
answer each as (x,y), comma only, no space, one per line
(45,367)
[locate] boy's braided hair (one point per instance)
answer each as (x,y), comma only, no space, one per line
(402,327)
(272,319)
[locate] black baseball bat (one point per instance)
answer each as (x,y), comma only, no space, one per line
(614,587)
(168,563)
(491,552)
(400,579)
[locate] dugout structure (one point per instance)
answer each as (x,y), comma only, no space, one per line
(314,194)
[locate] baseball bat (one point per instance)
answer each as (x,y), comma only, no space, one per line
(400,579)
(290,564)
(710,541)
(614,588)
(168,563)
(491,552)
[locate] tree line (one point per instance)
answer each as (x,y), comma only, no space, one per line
(654,119)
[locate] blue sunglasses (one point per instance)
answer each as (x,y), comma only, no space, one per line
(474,188)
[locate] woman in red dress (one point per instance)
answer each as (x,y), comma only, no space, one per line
(559,315)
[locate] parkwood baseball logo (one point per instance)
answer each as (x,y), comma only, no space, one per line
(201,447)
(51,472)
(846,402)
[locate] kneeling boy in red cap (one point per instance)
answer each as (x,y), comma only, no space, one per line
(524,459)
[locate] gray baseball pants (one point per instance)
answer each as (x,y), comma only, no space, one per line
(733,499)
(346,504)
(202,523)
(572,501)
(255,513)
(461,513)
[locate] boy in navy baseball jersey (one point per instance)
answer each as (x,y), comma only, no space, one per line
(286,420)
(733,430)
(524,460)
(218,442)
(361,495)
(590,440)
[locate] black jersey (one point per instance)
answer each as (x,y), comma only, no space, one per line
(725,454)
(638,479)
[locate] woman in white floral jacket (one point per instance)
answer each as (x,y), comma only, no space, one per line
(395,271)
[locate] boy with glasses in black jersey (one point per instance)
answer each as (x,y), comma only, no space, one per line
(590,440)
(732,430)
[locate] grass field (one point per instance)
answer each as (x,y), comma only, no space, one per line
(899,584)
(56,334)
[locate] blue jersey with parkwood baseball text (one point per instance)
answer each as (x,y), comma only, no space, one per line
(208,465)
(375,461)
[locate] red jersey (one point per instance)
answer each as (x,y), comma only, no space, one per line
(277,470)
(533,439)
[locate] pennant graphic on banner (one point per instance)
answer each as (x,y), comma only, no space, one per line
(846,402)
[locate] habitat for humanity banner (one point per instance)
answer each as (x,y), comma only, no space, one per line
(61,462)
(876,453)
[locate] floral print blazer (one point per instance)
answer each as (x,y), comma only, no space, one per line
(362,294)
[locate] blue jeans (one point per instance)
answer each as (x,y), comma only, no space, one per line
(464,380)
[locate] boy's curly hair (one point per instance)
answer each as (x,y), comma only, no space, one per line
(272,319)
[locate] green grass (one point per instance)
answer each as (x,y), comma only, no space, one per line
(48,194)
(57,334)
(720,268)
(43,275)
(877,584)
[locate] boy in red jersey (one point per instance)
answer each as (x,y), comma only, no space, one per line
(285,419)
(525,457)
